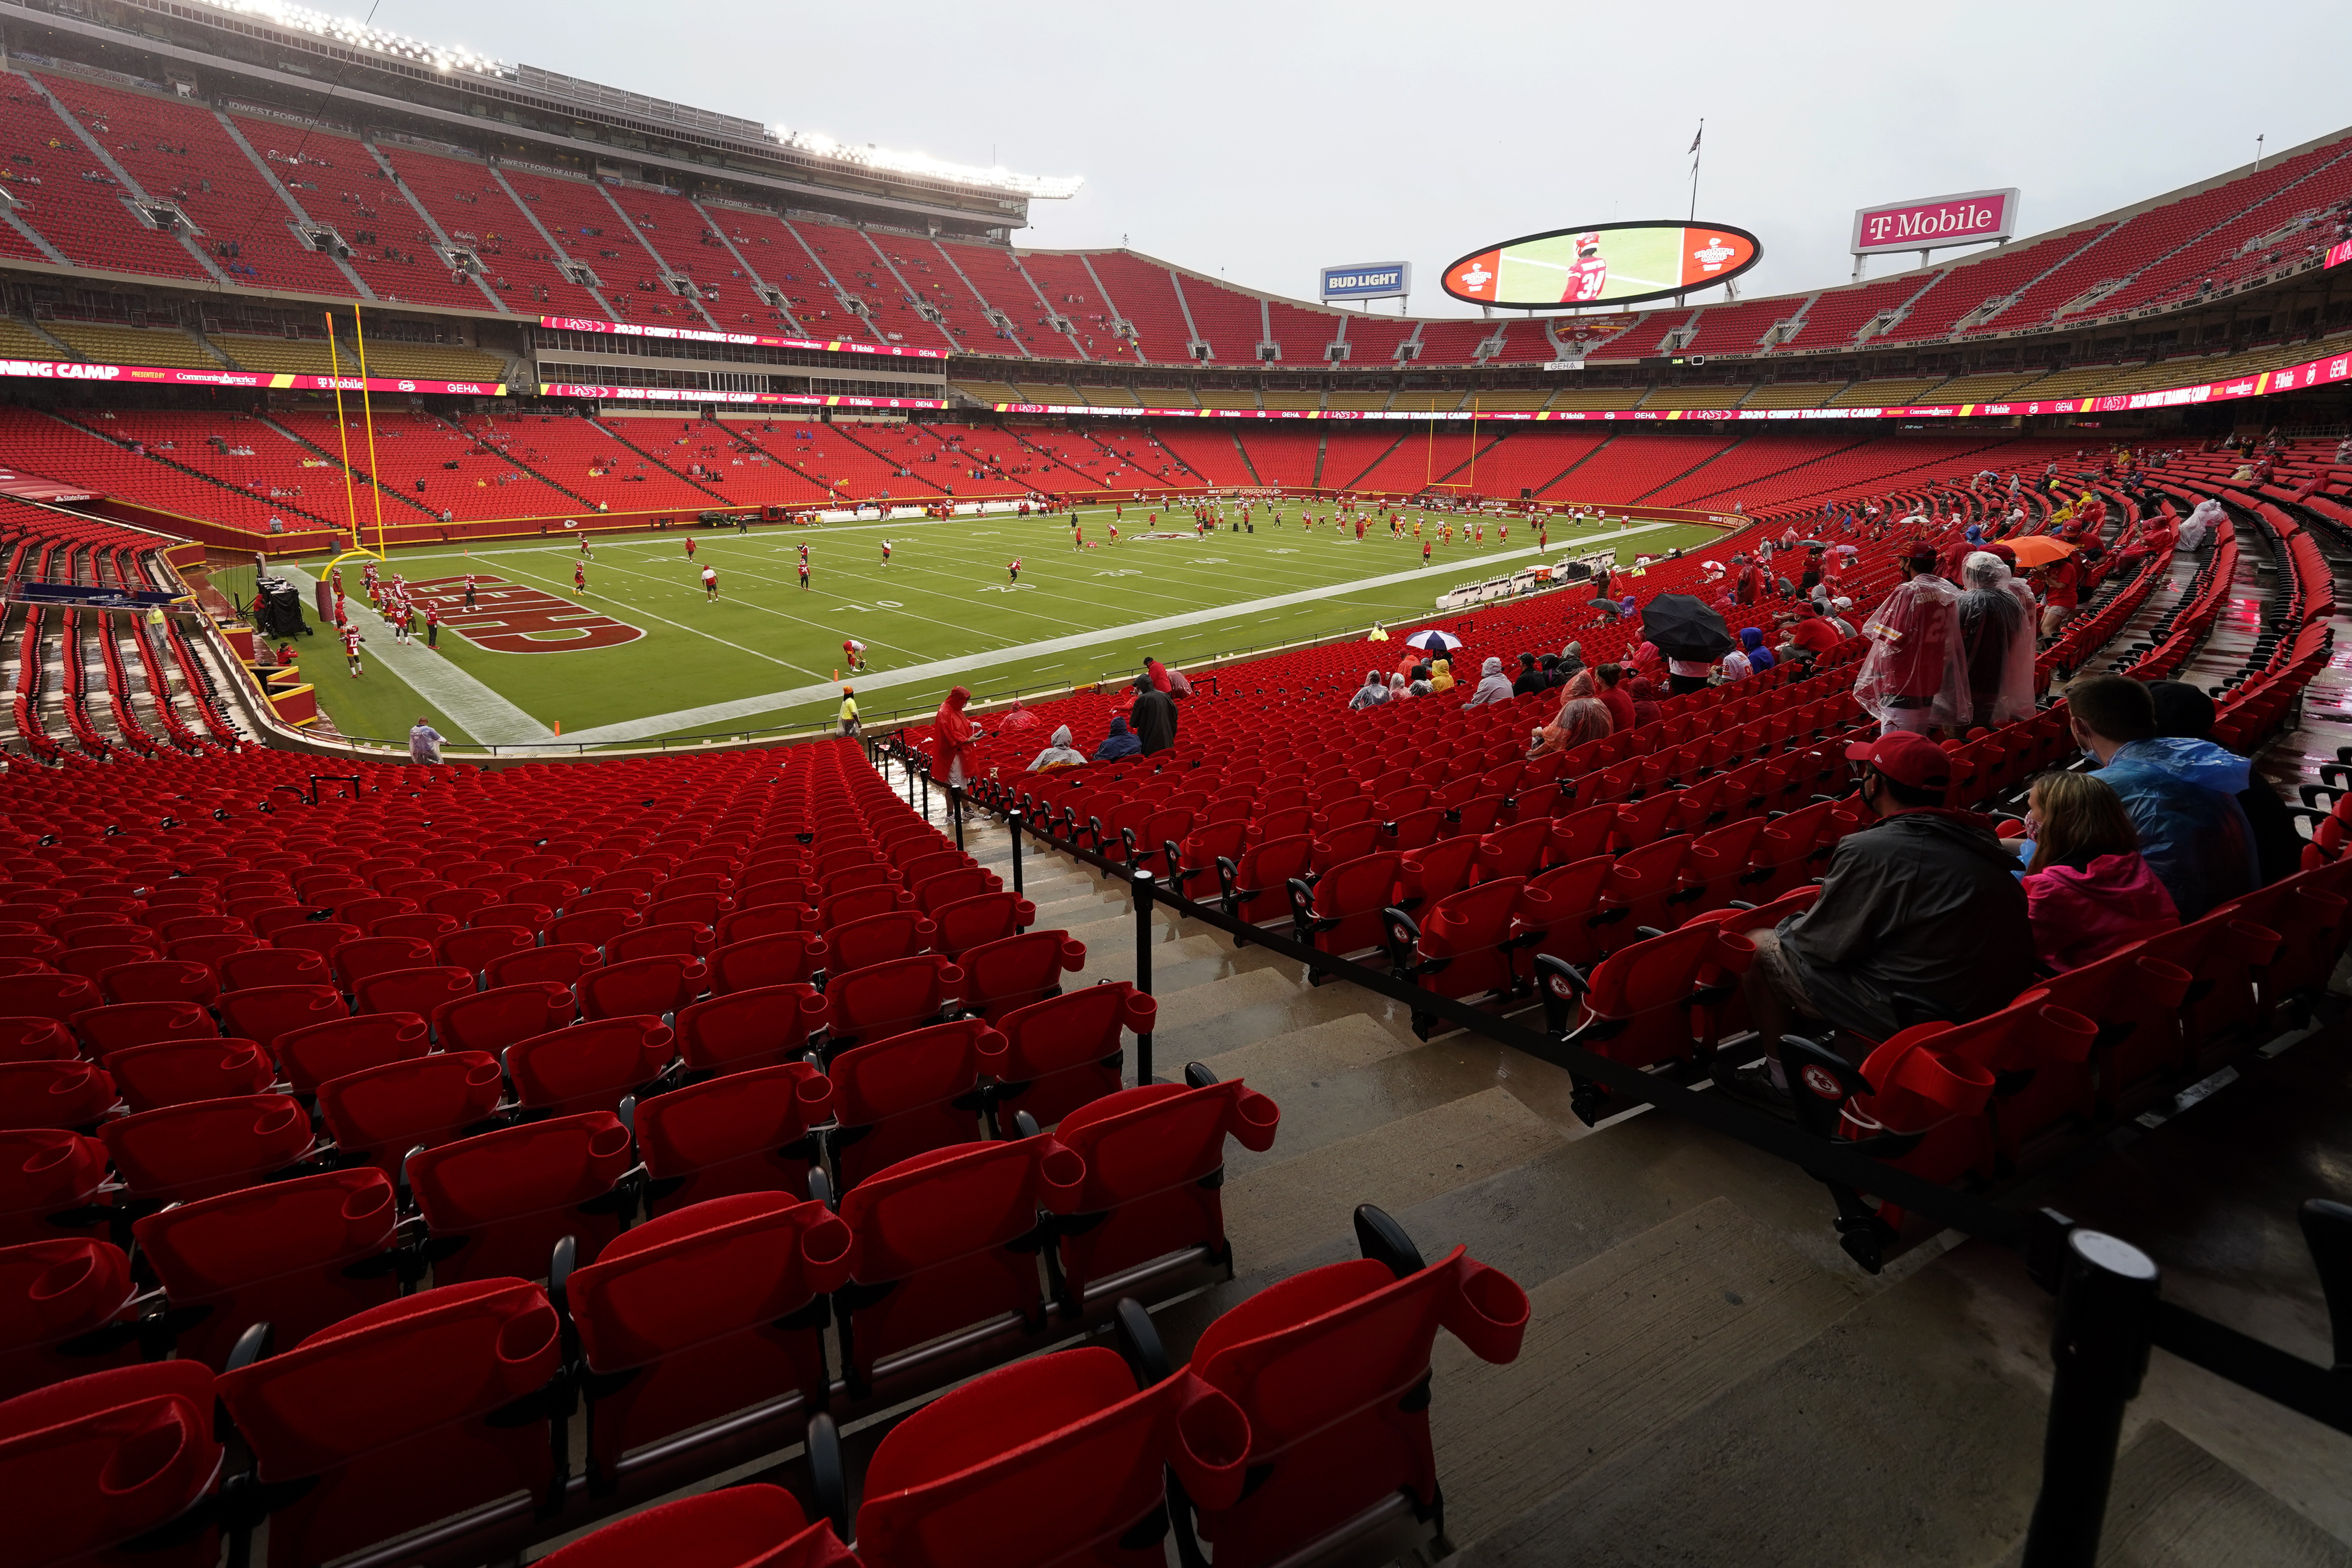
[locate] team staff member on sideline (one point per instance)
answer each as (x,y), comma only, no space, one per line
(849,711)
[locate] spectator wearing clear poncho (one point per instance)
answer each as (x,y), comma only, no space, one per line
(1996,641)
(1915,677)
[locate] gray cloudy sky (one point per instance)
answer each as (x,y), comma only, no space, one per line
(1263,140)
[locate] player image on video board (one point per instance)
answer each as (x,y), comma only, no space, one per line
(1604,262)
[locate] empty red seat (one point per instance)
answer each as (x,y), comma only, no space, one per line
(779,958)
(1651,1002)
(1339,913)
(160,979)
(297,1255)
(417,991)
(174,1072)
(1153,1158)
(744,1030)
(66,1310)
(266,1012)
(1329,1370)
(1257,887)
(987,916)
(357,961)
(703,1312)
(563,962)
(1066,1050)
(658,985)
(1068,1445)
(910,1094)
(945,1241)
(493,1020)
(589,1066)
(749,1526)
(114,1457)
(317,1052)
(680,939)
(125,1023)
(57,996)
(497,1203)
(1469,943)
(72,1093)
(182,1152)
(741,1132)
(1016,971)
(877,939)
(592,927)
(379,1114)
(255,967)
(887,999)
(51,1182)
(392,1418)
(473,949)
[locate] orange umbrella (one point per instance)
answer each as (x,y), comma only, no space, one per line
(2040,550)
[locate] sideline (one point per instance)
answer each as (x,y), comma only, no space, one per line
(741,707)
(488,718)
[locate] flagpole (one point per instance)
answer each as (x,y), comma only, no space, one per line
(1697,153)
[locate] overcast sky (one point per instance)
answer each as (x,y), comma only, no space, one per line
(1261,141)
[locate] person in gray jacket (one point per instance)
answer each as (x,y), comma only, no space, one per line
(1493,686)
(1920,919)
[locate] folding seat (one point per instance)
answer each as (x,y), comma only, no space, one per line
(262,1012)
(311,1054)
(703,1313)
(1654,1002)
(322,937)
(182,927)
(297,1255)
(379,1114)
(1316,1363)
(114,932)
(71,1093)
(530,918)
(786,958)
(1255,887)
(1341,844)
(66,1310)
(123,1464)
(174,1072)
(365,913)
(602,897)
(159,980)
(50,1183)
(2039,1055)
(741,1132)
(497,1203)
(1200,849)
(1719,868)
(550,895)
(416,991)
(784,890)
(182,1152)
(885,999)
(357,961)
(947,1240)
(1644,881)
(1341,912)
(1017,969)
(1908,1104)
(590,1067)
(473,949)
(878,939)
(253,967)
(93,961)
(938,862)
(1143,844)
(463,903)
(1474,817)
(1416,829)
(1467,943)
(1429,874)
(561,962)
(841,908)
(1793,849)
(1065,1443)
(658,985)
(126,1024)
(264,923)
(30,943)
(749,1526)
(1515,850)
(58,997)
(499,884)
(2224,952)
(493,1020)
(684,938)
(407,1414)
(753,1028)
(1065,1051)
(975,921)
(1285,822)
(1154,1159)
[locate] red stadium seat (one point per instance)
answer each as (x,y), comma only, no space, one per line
(497,1203)
(744,1132)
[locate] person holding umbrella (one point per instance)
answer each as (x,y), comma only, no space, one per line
(1690,635)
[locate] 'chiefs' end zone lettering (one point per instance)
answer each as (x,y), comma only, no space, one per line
(508,617)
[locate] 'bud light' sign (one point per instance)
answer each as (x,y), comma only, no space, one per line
(1970,219)
(1368,280)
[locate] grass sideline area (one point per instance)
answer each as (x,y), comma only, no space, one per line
(767,653)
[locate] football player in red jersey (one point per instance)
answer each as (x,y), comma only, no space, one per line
(1589,275)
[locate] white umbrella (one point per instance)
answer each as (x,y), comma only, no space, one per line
(1434,641)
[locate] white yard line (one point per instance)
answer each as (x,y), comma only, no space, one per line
(487,717)
(718,713)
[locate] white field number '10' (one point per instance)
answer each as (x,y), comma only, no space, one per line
(1119,573)
(1009,588)
(889,604)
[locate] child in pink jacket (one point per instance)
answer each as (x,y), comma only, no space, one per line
(2088,891)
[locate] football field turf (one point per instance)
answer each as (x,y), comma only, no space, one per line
(944,611)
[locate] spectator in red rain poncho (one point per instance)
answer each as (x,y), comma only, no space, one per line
(1913,677)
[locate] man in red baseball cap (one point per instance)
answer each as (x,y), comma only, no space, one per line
(1920,918)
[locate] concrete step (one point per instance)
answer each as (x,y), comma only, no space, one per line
(2173,1505)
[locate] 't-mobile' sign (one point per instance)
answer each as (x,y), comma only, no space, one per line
(1368,280)
(1968,218)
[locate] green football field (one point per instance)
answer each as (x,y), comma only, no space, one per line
(767,653)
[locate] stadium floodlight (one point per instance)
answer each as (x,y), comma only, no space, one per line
(361,35)
(816,144)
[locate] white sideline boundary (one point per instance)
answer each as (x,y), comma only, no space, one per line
(487,718)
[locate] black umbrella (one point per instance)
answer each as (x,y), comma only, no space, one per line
(1685,628)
